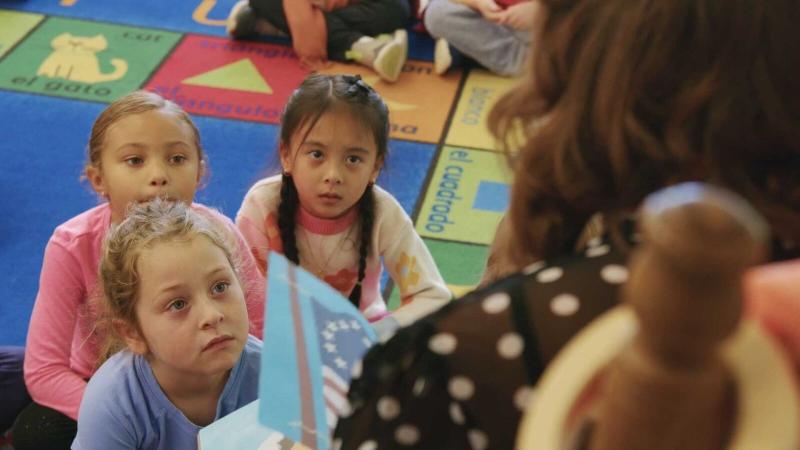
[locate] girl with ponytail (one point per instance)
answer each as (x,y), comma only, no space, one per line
(324,211)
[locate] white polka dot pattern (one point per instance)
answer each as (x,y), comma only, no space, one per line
(496,303)
(523,397)
(549,275)
(442,343)
(510,345)
(406,435)
(388,408)
(564,305)
(600,250)
(461,388)
(556,289)
(368,445)
(456,414)
(419,386)
(614,274)
(346,409)
(355,372)
(477,439)
(533,267)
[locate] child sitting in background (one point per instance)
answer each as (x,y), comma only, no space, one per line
(325,212)
(494,33)
(141,147)
(341,30)
(174,302)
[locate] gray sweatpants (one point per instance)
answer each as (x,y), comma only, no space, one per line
(501,49)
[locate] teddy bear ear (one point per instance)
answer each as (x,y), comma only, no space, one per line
(61,39)
(99,41)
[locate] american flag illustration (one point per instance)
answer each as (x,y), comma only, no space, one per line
(341,342)
(313,337)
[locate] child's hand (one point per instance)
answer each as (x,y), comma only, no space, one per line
(488,8)
(520,16)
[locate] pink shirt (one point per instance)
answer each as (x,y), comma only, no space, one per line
(61,346)
(329,249)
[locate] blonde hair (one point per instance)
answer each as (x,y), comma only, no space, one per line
(145,225)
(136,102)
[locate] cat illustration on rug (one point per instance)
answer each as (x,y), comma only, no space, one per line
(74,58)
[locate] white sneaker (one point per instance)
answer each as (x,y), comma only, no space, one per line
(391,57)
(401,35)
(385,54)
(442,58)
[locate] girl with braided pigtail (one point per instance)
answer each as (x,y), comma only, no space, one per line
(325,213)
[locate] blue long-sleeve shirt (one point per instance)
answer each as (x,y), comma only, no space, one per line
(125,408)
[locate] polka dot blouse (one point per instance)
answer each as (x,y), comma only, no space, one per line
(460,378)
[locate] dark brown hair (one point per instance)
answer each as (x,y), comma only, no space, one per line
(627,96)
(316,95)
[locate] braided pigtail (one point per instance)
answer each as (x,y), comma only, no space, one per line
(367,214)
(287,212)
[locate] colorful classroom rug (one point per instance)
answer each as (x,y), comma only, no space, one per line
(442,168)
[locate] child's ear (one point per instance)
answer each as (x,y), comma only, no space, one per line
(201,170)
(95,177)
(286,160)
(376,170)
(133,339)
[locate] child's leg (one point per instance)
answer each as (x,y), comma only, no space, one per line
(257,17)
(39,427)
(385,54)
(271,10)
(364,18)
(12,386)
(498,48)
(356,33)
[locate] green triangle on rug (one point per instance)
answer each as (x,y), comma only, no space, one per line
(241,75)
